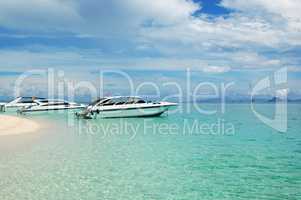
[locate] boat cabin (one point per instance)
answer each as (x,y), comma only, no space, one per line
(26,100)
(118,101)
(48,102)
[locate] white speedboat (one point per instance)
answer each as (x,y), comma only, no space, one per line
(50,105)
(121,106)
(19,102)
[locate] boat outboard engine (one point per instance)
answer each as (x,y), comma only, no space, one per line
(2,108)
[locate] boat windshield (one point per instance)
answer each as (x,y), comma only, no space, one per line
(47,102)
(96,101)
(28,99)
(121,101)
(132,100)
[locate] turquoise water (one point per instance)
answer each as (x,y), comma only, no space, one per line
(155,158)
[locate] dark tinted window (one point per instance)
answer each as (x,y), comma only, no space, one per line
(57,104)
(26,100)
(96,101)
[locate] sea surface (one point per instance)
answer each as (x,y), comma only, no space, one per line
(228,154)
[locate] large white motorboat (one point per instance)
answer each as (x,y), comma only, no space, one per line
(20,102)
(51,105)
(125,106)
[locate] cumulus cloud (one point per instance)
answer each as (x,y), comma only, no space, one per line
(41,15)
(253,60)
(283,17)
(258,21)
(288,9)
(168,28)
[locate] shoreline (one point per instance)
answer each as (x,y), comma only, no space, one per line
(12,125)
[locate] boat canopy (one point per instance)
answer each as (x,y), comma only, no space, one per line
(117,101)
(27,99)
(51,102)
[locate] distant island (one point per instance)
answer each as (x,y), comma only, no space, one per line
(249,100)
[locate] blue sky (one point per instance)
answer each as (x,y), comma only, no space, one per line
(234,40)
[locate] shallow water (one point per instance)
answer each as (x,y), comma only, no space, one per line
(230,155)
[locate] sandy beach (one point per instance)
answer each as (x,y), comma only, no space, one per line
(11,125)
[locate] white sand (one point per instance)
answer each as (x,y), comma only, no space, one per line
(11,125)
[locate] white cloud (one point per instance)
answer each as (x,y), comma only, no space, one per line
(81,60)
(216,69)
(253,60)
(42,15)
(282,16)
(167,11)
(288,9)
(259,22)
(28,60)
(251,38)
(166,27)
(294,68)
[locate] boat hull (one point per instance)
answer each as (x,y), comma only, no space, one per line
(49,109)
(6,107)
(132,112)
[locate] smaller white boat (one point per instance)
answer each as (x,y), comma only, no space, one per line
(51,105)
(125,106)
(19,102)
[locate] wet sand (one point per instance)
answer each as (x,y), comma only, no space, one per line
(11,125)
